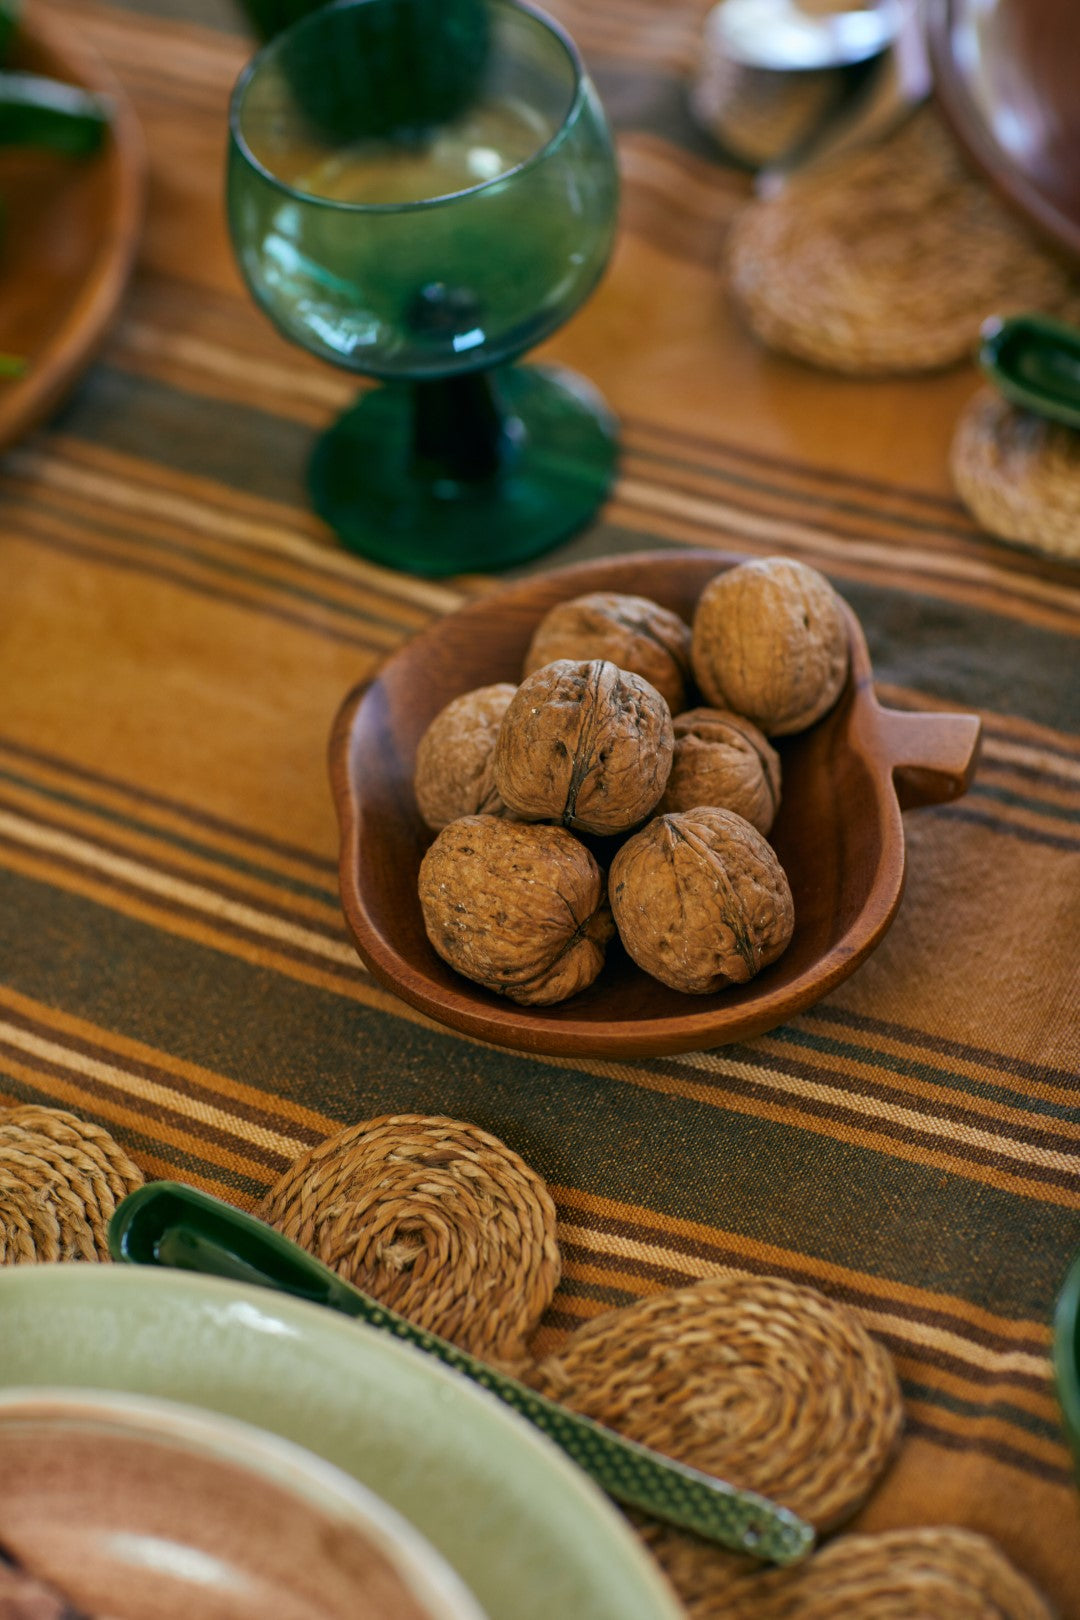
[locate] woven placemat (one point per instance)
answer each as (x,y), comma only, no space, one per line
(887,260)
(1019,475)
(60,1180)
(760,1381)
(435,1218)
(934,1574)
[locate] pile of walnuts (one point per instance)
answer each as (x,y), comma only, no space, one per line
(509,778)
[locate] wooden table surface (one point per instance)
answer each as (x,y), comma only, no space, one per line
(177,631)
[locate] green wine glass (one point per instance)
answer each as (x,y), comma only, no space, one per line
(420,191)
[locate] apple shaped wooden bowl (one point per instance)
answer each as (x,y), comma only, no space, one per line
(839,833)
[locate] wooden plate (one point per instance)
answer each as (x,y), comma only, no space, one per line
(1007,77)
(839,833)
(69,235)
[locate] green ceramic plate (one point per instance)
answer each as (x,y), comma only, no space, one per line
(528,1533)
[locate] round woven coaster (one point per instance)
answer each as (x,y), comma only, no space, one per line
(60,1180)
(757,1380)
(437,1219)
(936,1574)
(888,260)
(706,1579)
(1019,474)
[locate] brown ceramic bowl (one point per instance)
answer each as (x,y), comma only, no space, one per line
(141,1509)
(839,833)
(1007,77)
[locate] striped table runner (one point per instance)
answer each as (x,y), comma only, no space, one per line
(177,630)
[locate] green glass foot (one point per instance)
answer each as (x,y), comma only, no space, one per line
(556,455)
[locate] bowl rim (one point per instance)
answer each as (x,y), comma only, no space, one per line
(475,1012)
(283,1463)
(967,121)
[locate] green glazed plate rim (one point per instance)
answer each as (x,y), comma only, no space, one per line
(87,1326)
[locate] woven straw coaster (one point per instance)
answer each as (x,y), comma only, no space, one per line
(757,1380)
(1019,475)
(888,260)
(436,1219)
(60,1180)
(937,1574)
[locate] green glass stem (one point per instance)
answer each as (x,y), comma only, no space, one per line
(462,433)
(465,474)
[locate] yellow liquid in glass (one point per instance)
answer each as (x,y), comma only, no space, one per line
(490,140)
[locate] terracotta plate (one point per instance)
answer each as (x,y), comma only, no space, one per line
(1007,77)
(69,235)
(839,833)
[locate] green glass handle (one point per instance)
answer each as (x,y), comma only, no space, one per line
(167,1224)
(1034,361)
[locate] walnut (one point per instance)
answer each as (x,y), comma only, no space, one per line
(771,643)
(724,761)
(586,744)
(630,631)
(700,900)
(454,759)
(518,908)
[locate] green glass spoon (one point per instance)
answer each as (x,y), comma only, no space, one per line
(1067,1356)
(1034,361)
(167,1224)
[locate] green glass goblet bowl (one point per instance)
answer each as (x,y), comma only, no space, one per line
(420,191)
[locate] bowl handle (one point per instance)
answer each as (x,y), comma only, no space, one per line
(932,756)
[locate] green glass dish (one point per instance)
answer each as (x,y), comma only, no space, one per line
(1067,1356)
(1034,361)
(420,192)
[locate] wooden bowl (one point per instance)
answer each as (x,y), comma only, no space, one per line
(71,225)
(1007,77)
(839,833)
